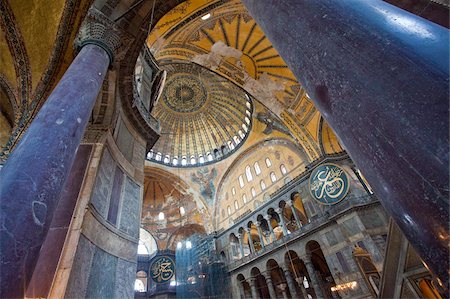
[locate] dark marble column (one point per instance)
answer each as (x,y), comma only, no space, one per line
(290,282)
(253,288)
(314,279)
(379,77)
(269,282)
(34,175)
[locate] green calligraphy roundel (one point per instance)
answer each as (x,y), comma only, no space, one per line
(162,269)
(328,184)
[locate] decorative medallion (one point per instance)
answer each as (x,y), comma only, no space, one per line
(162,269)
(328,184)
(185,93)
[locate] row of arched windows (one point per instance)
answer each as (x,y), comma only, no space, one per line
(257,169)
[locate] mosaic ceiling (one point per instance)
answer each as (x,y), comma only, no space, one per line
(204,117)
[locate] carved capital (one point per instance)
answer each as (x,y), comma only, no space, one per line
(99,30)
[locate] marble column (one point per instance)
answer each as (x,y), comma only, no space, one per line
(241,246)
(241,289)
(290,204)
(34,175)
(279,211)
(253,288)
(269,282)
(250,240)
(272,234)
(315,284)
(258,227)
(379,77)
(290,282)
(283,287)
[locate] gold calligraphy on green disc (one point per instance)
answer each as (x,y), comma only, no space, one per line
(162,269)
(328,184)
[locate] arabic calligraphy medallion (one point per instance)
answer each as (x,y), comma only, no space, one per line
(328,184)
(162,269)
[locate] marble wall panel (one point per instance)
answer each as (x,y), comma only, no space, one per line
(103,184)
(125,141)
(138,155)
(125,277)
(79,276)
(131,207)
(102,277)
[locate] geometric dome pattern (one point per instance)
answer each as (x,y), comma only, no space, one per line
(203,116)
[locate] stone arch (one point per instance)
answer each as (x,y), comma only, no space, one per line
(183,233)
(320,265)
(259,282)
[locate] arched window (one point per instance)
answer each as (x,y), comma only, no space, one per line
(158,156)
(182,211)
(248,174)
(241,134)
(230,145)
(150,154)
(166,159)
(142,249)
(268,162)
(183,161)
(161,216)
(244,198)
(248,113)
(175,161)
(233,191)
(244,126)
(139,286)
(263,185)
(209,157)
(241,181)
(247,120)
(253,192)
(257,169)
(201,160)
(273,177)
(229,210)
(193,160)
(283,169)
(236,205)
(236,140)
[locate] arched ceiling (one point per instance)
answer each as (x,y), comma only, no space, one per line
(203,116)
(166,193)
(229,42)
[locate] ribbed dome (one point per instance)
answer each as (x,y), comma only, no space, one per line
(203,117)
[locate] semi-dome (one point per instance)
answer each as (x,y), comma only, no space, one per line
(204,117)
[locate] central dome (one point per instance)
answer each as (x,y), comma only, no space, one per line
(184,93)
(204,117)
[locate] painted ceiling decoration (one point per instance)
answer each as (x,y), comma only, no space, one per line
(228,42)
(223,37)
(35,47)
(203,116)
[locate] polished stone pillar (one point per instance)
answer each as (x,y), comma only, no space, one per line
(258,227)
(241,246)
(241,289)
(250,240)
(290,204)
(34,175)
(253,287)
(279,211)
(315,284)
(269,282)
(283,287)
(272,234)
(379,77)
(290,282)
